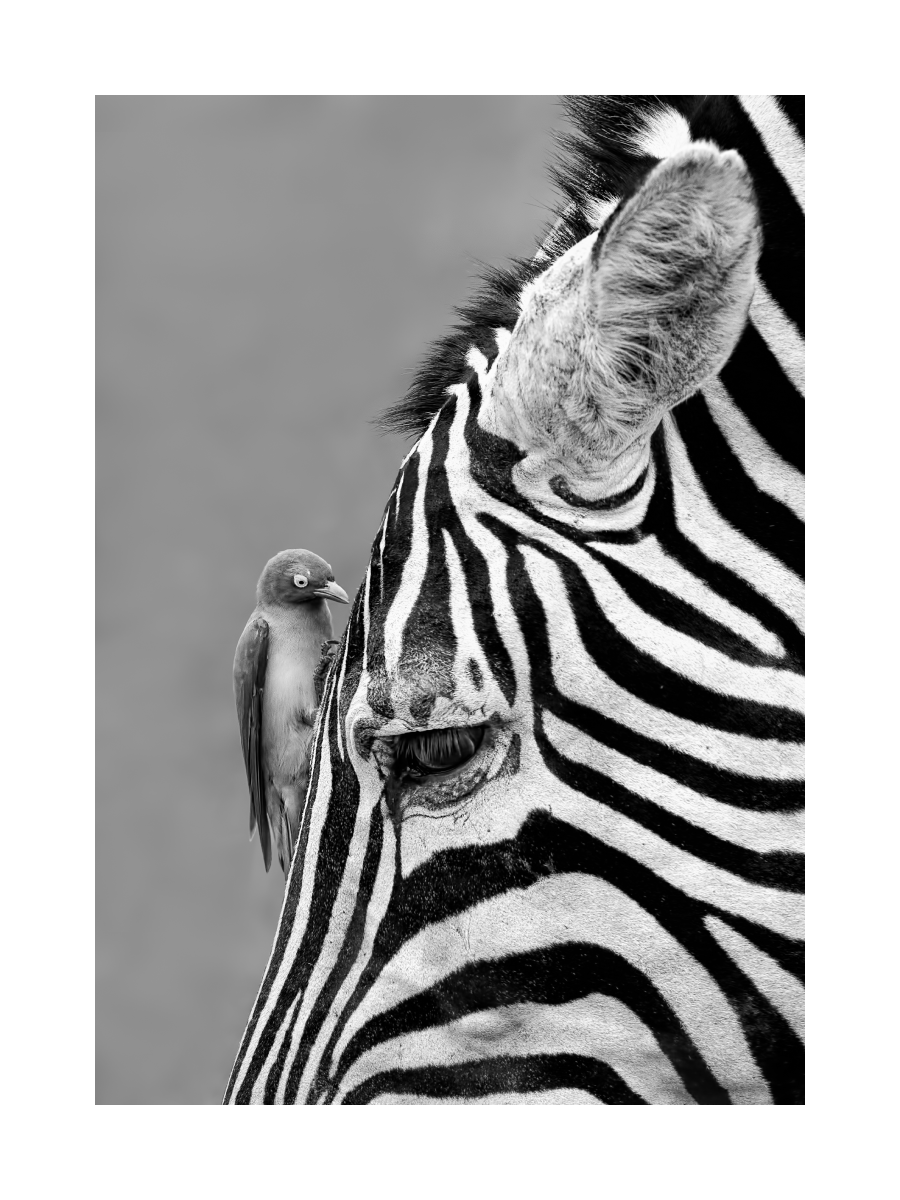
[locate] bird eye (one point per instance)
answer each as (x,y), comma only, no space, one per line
(436,750)
(300,581)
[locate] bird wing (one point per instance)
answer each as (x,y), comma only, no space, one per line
(249,682)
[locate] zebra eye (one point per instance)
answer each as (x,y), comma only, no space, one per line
(300,581)
(436,750)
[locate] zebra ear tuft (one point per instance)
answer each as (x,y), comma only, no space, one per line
(636,317)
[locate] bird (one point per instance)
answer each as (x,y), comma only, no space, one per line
(275,691)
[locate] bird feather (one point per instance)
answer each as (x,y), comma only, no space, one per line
(249,684)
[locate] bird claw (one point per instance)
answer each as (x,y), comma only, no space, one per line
(327,657)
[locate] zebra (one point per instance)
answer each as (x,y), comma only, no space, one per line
(551,850)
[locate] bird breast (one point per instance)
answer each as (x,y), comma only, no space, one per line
(289,699)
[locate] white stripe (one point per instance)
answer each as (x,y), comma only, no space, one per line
(477,361)
(665,133)
(381,545)
(338,723)
(467,645)
(367,610)
(503,338)
(781,140)
(780,334)
(413,569)
(400,478)
(317,734)
(765,467)
(340,690)
(759,831)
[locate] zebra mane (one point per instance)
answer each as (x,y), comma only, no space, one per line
(602,161)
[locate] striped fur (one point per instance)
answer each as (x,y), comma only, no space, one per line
(605,904)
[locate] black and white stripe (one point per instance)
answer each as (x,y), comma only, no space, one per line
(613,912)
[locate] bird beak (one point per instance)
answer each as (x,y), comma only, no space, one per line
(331,591)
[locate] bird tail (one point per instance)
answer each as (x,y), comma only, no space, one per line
(286,846)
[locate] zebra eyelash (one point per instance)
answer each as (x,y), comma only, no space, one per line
(436,751)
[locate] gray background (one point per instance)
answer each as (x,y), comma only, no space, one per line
(268,272)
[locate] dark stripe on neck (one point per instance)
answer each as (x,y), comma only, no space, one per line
(560,488)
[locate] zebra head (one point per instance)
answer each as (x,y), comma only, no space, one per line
(549,848)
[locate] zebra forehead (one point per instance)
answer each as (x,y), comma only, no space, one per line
(413,697)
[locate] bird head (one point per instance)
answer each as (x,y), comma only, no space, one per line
(297,577)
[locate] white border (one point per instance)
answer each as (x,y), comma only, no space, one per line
(57,58)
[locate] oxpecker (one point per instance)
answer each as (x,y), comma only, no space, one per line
(275,667)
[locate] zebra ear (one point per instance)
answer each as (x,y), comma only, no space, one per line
(635,318)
